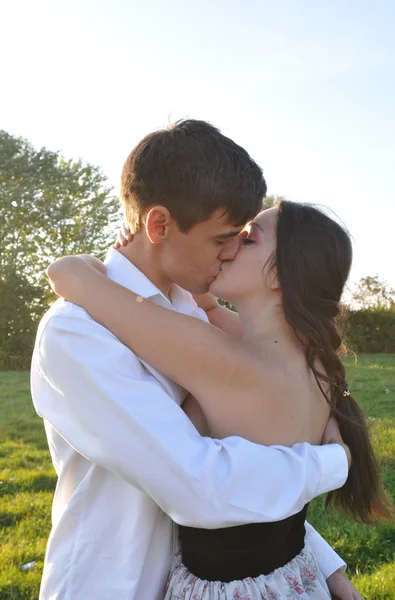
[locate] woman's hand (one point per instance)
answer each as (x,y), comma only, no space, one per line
(124,236)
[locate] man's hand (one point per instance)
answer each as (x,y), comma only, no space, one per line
(341,587)
(332,435)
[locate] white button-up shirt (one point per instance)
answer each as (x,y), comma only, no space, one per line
(130,462)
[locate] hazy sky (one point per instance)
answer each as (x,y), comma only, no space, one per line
(308,87)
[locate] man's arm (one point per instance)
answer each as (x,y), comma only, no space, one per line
(89,387)
(327,559)
(331,566)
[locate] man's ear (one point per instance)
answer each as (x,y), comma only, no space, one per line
(156,223)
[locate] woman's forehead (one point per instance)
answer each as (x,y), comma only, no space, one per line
(267,217)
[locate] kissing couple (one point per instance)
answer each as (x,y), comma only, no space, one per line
(189,439)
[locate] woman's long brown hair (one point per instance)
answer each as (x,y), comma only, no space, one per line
(313,260)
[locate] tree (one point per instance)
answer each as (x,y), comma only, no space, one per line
(18,322)
(371,293)
(49,206)
(270,201)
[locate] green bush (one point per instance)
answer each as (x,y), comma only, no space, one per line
(372,331)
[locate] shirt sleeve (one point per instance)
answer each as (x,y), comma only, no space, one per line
(97,395)
(328,560)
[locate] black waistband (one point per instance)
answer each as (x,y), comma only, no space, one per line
(243,551)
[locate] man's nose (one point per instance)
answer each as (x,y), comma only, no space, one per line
(230,249)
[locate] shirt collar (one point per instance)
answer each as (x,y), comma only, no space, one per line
(124,272)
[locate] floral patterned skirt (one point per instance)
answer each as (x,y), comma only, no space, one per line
(300,579)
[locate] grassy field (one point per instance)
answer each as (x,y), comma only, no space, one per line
(27,481)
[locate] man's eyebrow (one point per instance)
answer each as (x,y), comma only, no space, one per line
(229,234)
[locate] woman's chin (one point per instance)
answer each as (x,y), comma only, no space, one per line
(214,287)
(218,290)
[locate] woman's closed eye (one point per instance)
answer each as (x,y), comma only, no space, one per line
(247,240)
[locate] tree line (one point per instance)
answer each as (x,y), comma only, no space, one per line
(49,206)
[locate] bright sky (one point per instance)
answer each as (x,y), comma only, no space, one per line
(306,86)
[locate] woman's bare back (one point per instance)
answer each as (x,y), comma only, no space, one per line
(284,406)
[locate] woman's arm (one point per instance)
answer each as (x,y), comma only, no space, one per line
(215,367)
(194,412)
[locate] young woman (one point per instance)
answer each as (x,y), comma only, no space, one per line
(276,385)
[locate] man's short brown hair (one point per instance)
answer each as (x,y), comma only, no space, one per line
(192,170)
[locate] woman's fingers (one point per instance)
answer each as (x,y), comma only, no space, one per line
(126,232)
(124,236)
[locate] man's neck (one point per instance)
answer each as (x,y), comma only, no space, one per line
(146,259)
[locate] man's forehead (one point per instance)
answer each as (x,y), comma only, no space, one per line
(223,223)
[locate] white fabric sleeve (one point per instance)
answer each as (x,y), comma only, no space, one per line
(328,560)
(95,392)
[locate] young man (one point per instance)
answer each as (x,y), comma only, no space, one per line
(129,461)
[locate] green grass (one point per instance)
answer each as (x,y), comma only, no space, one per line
(27,481)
